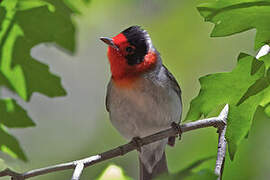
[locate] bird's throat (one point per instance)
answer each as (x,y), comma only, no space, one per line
(125,74)
(126,83)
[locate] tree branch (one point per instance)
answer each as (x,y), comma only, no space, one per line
(218,122)
(222,143)
(78,171)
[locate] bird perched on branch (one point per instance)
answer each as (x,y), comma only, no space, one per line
(143,97)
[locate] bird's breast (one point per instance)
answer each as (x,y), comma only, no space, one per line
(142,108)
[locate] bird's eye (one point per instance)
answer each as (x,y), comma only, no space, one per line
(129,49)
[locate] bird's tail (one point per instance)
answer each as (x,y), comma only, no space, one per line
(159,168)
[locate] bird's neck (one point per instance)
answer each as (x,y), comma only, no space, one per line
(124,74)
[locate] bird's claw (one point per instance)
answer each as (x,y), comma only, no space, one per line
(137,141)
(177,128)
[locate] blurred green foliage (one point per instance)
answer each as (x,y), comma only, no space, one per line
(188,172)
(20,31)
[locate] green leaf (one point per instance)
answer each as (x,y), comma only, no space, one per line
(18,35)
(56,21)
(113,172)
(266,101)
(256,65)
(86,1)
(255,88)
(267,110)
(186,172)
(239,122)
(205,174)
(4,82)
(227,88)
(25,24)
(222,88)
(235,16)
(10,145)
(266,60)
(266,97)
(2,14)
(29,4)
(12,115)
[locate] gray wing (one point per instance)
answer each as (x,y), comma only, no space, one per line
(107,101)
(173,82)
(175,86)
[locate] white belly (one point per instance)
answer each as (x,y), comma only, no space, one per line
(143,110)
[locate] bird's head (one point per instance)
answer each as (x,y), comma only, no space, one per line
(130,53)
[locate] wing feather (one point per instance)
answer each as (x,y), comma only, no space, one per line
(173,83)
(107,100)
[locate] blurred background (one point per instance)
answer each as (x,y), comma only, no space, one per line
(77,126)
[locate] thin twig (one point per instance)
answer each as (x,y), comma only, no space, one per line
(79,165)
(78,171)
(222,143)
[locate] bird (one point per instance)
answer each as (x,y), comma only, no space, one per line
(143,97)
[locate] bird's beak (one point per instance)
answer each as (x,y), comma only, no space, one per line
(109,42)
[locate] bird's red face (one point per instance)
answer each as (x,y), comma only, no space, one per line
(130,54)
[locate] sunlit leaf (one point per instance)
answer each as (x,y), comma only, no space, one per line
(267,110)
(12,115)
(240,121)
(10,145)
(266,60)
(25,24)
(113,172)
(29,4)
(235,16)
(228,88)
(223,88)
(255,88)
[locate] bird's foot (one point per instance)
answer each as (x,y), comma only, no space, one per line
(137,141)
(177,128)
